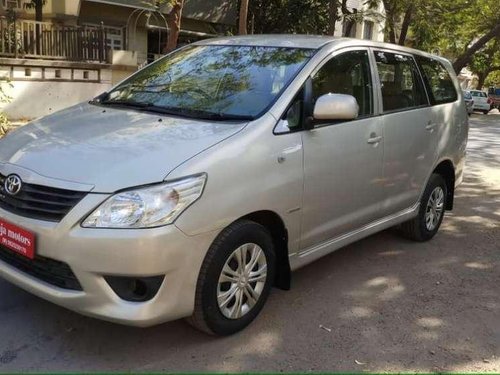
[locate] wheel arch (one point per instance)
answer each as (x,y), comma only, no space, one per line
(276,226)
(446,170)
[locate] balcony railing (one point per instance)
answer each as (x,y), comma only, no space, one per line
(44,40)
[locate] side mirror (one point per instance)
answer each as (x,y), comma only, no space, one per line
(336,107)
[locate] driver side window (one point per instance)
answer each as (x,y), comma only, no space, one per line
(348,73)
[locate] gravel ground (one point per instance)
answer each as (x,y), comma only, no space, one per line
(385,304)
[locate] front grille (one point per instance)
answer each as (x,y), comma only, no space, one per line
(40,202)
(48,270)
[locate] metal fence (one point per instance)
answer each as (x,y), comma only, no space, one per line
(44,40)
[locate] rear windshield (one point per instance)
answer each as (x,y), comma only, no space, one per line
(479,94)
(467,95)
(225,81)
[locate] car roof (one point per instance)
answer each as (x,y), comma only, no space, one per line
(278,40)
(305,41)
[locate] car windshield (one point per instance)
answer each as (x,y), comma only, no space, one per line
(212,82)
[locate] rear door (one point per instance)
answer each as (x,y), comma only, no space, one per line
(410,131)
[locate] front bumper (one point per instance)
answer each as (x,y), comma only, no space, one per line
(93,254)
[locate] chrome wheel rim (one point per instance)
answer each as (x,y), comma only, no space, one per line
(242,281)
(434,209)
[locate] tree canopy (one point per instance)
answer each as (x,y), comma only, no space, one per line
(465,31)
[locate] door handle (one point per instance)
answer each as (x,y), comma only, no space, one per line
(430,126)
(374,139)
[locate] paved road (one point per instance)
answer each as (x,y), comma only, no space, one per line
(391,305)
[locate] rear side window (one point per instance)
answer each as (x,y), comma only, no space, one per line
(438,81)
(402,87)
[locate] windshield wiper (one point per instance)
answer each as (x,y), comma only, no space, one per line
(198,114)
(227,117)
(124,103)
(175,111)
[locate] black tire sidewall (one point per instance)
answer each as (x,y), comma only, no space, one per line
(435,181)
(248,233)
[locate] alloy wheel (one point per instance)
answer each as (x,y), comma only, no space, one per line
(242,281)
(434,209)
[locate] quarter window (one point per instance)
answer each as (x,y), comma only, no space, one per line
(348,73)
(438,81)
(400,81)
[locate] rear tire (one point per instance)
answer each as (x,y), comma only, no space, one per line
(486,112)
(235,279)
(431,212)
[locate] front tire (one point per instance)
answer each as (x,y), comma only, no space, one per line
(235,279)
(430,215)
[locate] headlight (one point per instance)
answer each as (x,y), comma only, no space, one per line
(147,207)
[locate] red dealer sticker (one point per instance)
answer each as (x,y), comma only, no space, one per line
(17,239)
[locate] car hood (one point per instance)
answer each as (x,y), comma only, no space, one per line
(108,149)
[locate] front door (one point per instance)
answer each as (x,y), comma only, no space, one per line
(343,160)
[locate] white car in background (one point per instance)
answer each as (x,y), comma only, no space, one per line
(481,103)
(469,102)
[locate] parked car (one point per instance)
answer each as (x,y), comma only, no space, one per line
(196,185)
(469,102)
(481,103)
(494,97)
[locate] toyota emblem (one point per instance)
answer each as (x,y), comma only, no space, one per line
(13,184)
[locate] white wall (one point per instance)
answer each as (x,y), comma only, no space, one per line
(31,100)
(38,88)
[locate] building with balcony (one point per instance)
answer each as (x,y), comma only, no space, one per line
(83,47)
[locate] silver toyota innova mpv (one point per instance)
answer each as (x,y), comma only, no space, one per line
(199,183)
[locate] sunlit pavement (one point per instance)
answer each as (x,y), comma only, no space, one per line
(382,304)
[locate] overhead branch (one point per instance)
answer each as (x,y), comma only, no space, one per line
(465,58)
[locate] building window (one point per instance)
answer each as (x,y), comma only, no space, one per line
(114,35)
(368,30)
(349,28)
(12,4)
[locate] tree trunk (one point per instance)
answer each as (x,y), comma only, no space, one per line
(389,20)
(333,15)
(466,57)
(243,22)
(38,17)
(405,25)
(174,25)
(38,10)
(481,77)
